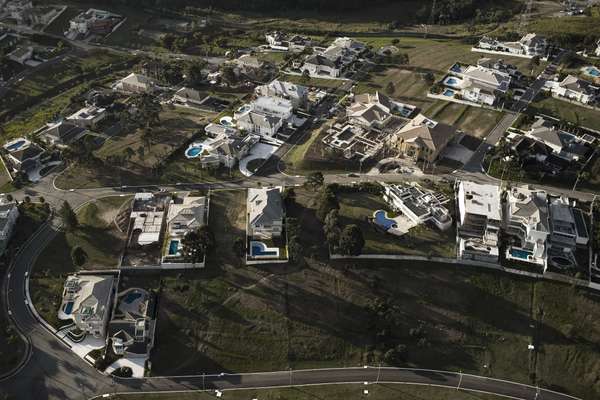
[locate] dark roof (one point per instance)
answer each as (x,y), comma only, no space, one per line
(31,151)
(318,59)
(63,131)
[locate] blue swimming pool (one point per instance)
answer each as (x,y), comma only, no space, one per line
(16,145)
(448,93)
(519,253)
(382,220)
(592,71)
(131,297)
(451,81)
(258,249)
(69,308)
(173,247)
(193,151)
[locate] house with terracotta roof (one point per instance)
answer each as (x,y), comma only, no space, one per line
(422,138)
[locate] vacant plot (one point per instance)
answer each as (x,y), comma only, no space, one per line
(227,219)
(382,391)
(569,112)
(100,239)
(475,121)
(316,82)
(424,240)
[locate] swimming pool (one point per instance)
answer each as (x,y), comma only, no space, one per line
(448,93)
(243,109)
(173,247)
(592,71)
(193,151)
(383,221)
(451,81)
(226,121)
(16,145)
(69,308)
(260,249)
(520,253)
(131,297)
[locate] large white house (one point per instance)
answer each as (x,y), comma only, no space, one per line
(479,219)
(477,83)
(87,301)
(576,89)
(185,215)
(297,94)
(265,213)
(88,117)
(530,45)
(528,222)
(136,83)
(418,204)
(319,65)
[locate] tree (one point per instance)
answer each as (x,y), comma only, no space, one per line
(129,152)
(327,201)
(305,76)
(148,108)
(390,88)
(429,78)
(228,75)
(315,180)
(198,243)
(239,246)
(27,199)
(194,74)
(79,256)
(68,216)
(534,62)
(42,199)
(295,249)
(351,241)
(396,355)
(403,58)
(332,228)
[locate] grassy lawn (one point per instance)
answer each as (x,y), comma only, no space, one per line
(422,240)
(472,120)
(40,97)
(333,392)
(568,112)
(227,318)
(177,126)
(11,346)
(316,82)
(321,316)
(227,219)
(425,55)
(4,175)
(97,235)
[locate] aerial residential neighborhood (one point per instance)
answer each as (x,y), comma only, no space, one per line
(288,199)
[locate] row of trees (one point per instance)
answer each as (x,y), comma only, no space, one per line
(347,240)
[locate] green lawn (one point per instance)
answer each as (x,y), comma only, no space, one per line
(475,121)
(332,392)
(227,219)
(568,112)
(97,235)
(425,55)
(422,240)
(316,82)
